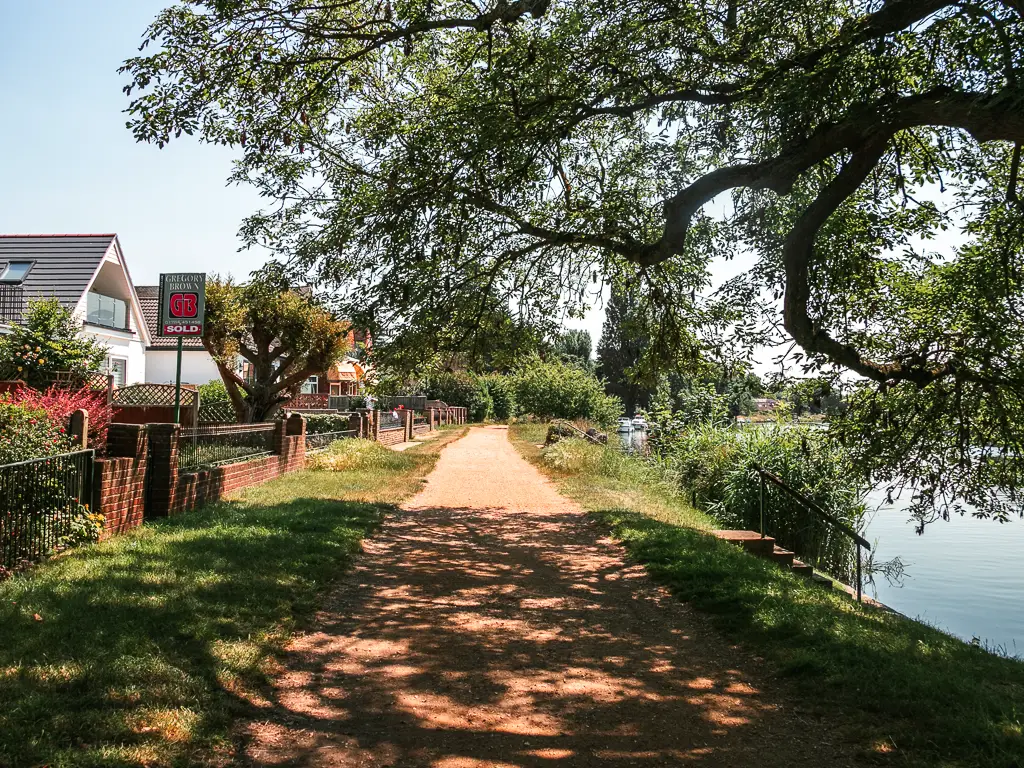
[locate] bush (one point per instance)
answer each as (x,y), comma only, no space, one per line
(502,391)
(716,464)
(213,391)
(28,433)
(49,341)
(556,390)
(318,423)
(59,402)
(463,390)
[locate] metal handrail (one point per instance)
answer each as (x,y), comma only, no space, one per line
(859,540)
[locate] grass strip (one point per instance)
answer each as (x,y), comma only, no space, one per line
(912,695)
(145,649)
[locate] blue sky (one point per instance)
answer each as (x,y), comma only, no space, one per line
(68,163)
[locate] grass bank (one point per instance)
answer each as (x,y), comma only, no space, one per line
(144,650)
(912,695)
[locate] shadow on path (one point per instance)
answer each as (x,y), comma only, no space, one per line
(490,624)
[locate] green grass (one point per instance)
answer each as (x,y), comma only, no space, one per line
(153,644)
(911,695)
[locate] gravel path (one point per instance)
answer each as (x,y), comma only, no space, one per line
(491,624)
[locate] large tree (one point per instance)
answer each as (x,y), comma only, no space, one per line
(282,332)
(573,346)
(620,350)
(540,148)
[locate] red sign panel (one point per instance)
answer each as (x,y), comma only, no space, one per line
(184,305)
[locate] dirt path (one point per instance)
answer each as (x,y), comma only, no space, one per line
(490,624)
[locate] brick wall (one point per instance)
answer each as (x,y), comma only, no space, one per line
(391,437)
(119,480)
(124,494)
(194,489)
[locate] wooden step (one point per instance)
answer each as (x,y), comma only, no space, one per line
(801,568)
(783,556)
(751,541)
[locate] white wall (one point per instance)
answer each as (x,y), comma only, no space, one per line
(120,344)
(197,367)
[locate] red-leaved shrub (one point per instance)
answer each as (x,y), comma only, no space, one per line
(60,402)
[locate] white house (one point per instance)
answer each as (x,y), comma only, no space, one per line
(87,274)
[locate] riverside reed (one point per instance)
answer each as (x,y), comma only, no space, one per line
(147,648)
(909,694)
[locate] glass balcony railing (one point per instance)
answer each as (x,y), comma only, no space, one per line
(107,311)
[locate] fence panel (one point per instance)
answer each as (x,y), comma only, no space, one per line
(219,412)
(409,402)
(41,501)
(210,445)
(322,441)
(390,420)
(339,402)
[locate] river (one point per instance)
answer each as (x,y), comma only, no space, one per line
(965,576)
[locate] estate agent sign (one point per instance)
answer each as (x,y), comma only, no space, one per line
(182,304)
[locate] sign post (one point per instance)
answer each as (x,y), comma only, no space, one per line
(182,313)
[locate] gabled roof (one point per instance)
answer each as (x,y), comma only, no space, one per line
(64,265)
(149,298)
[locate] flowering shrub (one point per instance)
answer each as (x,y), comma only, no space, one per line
(48,341)
(80,527)
(60,402)
(28,433)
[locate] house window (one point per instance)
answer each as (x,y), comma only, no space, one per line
(311,386)
(106,310)
(118,368)
(15,271)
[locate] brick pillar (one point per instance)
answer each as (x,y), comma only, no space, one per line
(407,416)
(162,469)
(292,435)
(119,479)
(128,440)
(355,423)
(280,432)
(296,424)
(376,426)
(433,419)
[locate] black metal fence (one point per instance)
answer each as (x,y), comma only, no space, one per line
(420,419)
(390,420)
(42,503)
(210,445)
(322,440)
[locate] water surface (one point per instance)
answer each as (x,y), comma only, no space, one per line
(965,576)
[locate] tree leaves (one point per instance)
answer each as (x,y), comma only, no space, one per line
(477,178)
